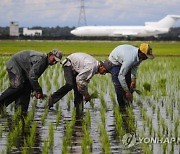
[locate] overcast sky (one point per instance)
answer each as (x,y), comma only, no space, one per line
(53,13)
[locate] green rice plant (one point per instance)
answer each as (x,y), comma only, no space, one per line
(45,146)
(130,119)
(113,99)
(31,137)
(158,113)
(178,105)
(58,117)
(73,118)
(13,136)
(87,119)
(147,86)
(44,116)
(118,122)
(1,131)
(12,106)
(103,102)
(25,148)
(147,149)
(165,146)
(57,106)
(86,143)
(69,100)
(3,151)
(68,134)
(153,108)
(103,118)
(65,146)
(29,118)
(51,135)
(150,126)
(176,127)
(163,124)
(162,84)
(16,116)
(104,139)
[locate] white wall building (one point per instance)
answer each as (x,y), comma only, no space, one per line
(14,28)
(32,32)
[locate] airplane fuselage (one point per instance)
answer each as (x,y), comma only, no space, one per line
(117,31)
(150,29)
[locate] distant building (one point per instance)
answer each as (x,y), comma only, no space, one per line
(32,32)
(14,28)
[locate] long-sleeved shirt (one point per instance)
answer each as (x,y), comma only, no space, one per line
(127,57)
(86,66)
(28,65)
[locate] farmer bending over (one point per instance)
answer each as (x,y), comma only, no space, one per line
(125,60)
(79,68)
(24,69)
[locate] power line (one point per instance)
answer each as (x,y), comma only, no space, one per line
(82,15)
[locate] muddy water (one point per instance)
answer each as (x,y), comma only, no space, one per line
(42,131)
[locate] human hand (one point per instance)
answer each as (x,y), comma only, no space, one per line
(132,86)
(87,97)
(38,95)
(128,95)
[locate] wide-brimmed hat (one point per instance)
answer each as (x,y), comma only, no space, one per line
(147,50)
(58,54)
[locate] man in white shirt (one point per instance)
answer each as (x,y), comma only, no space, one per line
(125,60)
(79,68)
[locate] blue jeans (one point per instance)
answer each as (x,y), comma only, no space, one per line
(120,93)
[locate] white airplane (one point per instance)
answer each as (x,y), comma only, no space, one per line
(150,29)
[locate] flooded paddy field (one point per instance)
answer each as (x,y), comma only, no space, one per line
(149,125)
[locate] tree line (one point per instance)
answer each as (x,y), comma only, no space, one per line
(63,33)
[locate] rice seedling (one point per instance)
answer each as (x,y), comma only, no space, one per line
(104,139)
(65,146)
(67,139)
(176,127)
(162,84)
(45,146)
(31,137)
(103,102)
(103,118)
(44,116)
(1,131)
(58,117)
(86,143)
(118,122)
(147,86)
(153,108)
(51,135)
(25,148)
(13,136)
(87,119)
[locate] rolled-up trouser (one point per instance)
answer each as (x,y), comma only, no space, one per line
(120,93)
(70,78)
(20,93)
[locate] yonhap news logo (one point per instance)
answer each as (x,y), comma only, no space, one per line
(130,139)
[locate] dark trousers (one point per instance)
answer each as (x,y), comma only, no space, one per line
(120,93)
(70,78)
(19,94)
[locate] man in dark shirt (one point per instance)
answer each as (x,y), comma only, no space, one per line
(24,69)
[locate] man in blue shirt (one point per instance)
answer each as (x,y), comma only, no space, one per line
(125,60)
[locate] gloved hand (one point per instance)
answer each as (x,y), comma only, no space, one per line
(38,95)
(128,95)
(87,97)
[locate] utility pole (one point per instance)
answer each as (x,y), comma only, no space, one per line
(82,15)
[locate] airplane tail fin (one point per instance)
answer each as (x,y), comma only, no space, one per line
(166,22)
